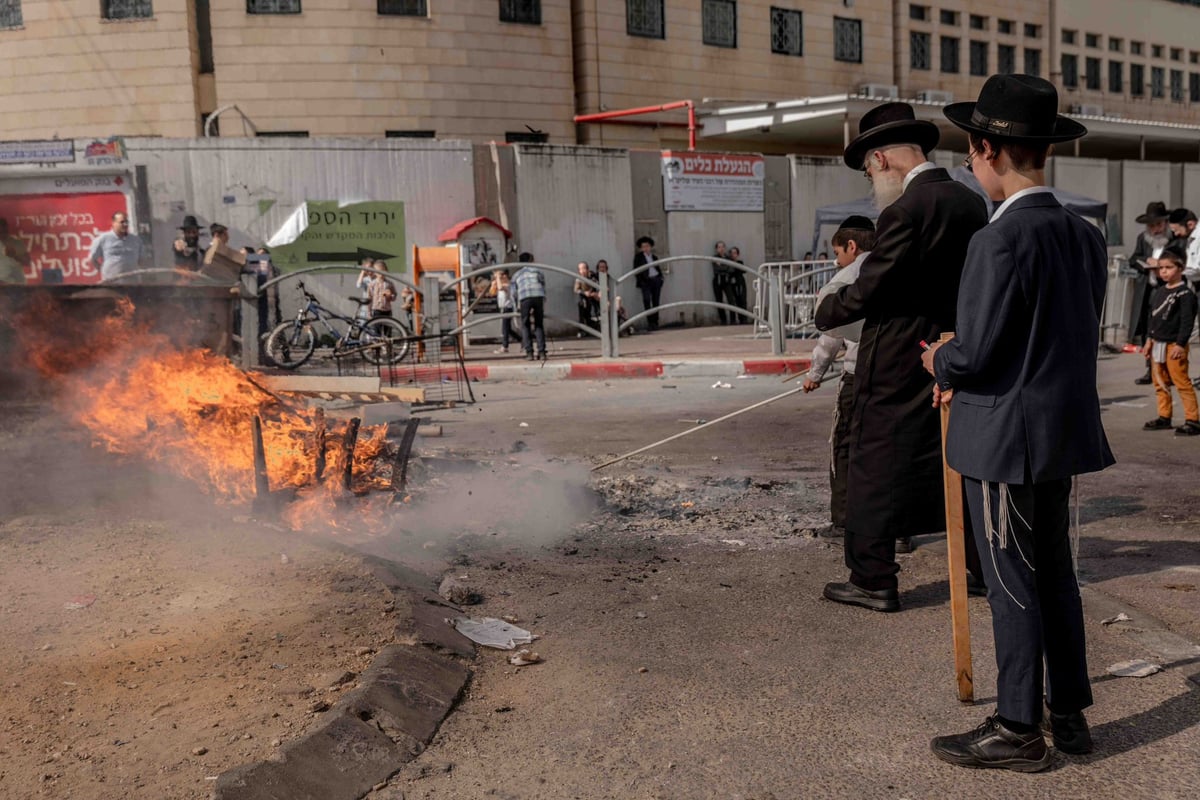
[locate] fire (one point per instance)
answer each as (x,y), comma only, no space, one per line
(192,411)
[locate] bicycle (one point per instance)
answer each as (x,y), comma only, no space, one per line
(290,344)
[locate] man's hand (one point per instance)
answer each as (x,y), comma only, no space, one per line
(1176,352)
(927,357)
(941,397)
(1146,347)
(809,385)
(179,245)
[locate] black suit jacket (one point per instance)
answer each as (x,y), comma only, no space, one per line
(906,291)
(1023,360)
(643,278)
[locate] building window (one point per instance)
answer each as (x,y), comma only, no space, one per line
(272,7)
(1033,31)
(1194,87)
(847,40)
(1070,37)
(1116,74)
(1177,54)
(128,9)
(204,36)
(1194,57)
(1137,80)
(1177,85)
(949,54)
(1006,59)
(948,17)
(919,46)
(525,12)
(787,32)
(1070,71)
(719,20)
(978,23)
(1033,62)
(1156,51)
(1157,82)
(10,14)
(1115,44)
(1091,39)
(919,13)
(1006,26)
(1136,48)
(402,8)
(979,58)
(414,134)
(1092,74)
(645,18)
(526,137)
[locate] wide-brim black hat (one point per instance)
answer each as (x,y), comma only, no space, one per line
(189,222)
(890,123)
(1019,108)
(1156,211)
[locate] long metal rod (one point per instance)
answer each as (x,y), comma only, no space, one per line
(689,431)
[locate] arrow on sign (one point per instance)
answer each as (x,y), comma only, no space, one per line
(355,257)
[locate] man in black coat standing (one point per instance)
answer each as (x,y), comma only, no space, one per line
(906,293)
(1144,259)
(650,281)
(1025,419)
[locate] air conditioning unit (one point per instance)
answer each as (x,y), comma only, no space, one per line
(879,91)
(933,96)
(1086,110)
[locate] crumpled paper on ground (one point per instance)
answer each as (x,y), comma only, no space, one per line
(492,632)
(1134,669)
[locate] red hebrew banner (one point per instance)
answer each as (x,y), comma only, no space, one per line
(57,230)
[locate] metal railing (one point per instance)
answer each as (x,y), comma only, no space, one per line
(800,282)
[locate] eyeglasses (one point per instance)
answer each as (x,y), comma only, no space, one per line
(967,162)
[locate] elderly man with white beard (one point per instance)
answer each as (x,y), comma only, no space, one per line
(1144,259)
(906,293)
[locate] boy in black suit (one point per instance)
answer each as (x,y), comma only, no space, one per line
(1172,312)
(1025,419)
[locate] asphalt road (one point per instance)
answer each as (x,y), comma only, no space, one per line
(688,652)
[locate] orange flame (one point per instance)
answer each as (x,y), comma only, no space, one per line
(192,412)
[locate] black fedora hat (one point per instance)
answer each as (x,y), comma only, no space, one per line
(890,123)
(189,222)
(1155,212)
(1020,108)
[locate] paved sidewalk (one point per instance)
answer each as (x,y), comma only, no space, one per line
(717,352)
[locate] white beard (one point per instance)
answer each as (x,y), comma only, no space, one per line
(886,188)
(1157,242)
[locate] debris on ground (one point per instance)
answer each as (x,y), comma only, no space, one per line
(79,601)
(524,657)
(492,632)
(458,590)
(1122,617)
(1137,668)
(722,385)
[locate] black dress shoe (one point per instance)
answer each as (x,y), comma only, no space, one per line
(993,746)
(848,593)
(1144,380)
(1069,731)
(975,587)
(904,544)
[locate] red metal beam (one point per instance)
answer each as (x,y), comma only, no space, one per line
(612,116)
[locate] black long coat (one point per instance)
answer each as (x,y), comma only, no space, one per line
(906,292)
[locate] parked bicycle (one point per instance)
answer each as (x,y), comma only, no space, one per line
(380,340)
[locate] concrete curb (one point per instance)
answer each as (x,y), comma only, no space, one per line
(605,369)
(375,729)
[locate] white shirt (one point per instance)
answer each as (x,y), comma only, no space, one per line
(1012,198)
(831,341)
(653,271)
(915,171)
(1192,271)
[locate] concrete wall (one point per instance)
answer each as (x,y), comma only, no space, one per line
(818,182)
(573,204)
(1141,183)
(695,233)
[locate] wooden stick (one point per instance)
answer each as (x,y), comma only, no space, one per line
(956,552)
(349,444)
(319,431)
(400,464)
(730,415)
(262,486)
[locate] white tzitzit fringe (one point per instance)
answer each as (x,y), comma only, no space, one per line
(996,532)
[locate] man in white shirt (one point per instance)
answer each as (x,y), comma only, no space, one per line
(117,251)
(1183,226)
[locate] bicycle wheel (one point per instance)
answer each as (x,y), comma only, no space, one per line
(291,344)
(387,328)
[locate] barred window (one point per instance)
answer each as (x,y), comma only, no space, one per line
(919,13)
(1137,80)
(1070,71)
(1116,77)
(645,18)
(1069,36)
(402,8)
(719,21)
(1156,51)
(10,14)
(1033,62)
(948,17)
(847,40)
(1136,48)
(979,58)
(1194,87)
(1091,39)
(949,54)
(1115,45)
(526,12)
(787,32)
(1091,74)
(1005,26)
(1157,83)
(1033,31)
(978,22)
(1177,85)
(272,6)
(127,9)
(1006,59)
(920,46)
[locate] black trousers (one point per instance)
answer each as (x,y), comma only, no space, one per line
(651,294)
(839,450)
(532,316)
(723,293)
(1037,616)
